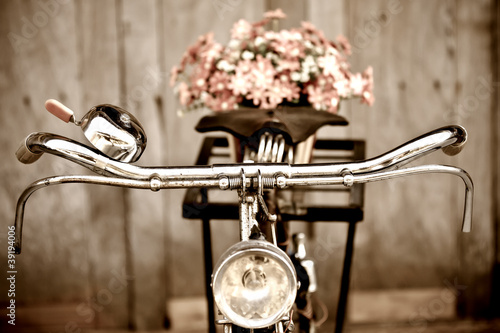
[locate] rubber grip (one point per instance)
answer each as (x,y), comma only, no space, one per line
(59,110)
(26,156)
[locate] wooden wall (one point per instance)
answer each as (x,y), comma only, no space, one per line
(114,256)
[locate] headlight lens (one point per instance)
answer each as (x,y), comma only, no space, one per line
(254,284)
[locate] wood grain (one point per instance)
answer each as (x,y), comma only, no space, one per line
(474,74)
(409,223)
(42,64)
(142,81)
(107,228)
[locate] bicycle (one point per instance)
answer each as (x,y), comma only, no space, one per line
(254,282)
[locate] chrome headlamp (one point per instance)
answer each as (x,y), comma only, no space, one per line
(254,284)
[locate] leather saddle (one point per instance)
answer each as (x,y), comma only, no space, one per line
(296,124)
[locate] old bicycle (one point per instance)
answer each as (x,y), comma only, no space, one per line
(254,282)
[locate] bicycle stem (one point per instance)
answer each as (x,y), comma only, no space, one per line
(228,176)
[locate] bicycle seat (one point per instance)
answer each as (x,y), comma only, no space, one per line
(296,124)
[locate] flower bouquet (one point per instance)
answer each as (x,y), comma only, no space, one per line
(266,68)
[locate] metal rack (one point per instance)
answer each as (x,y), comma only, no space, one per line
(197,205)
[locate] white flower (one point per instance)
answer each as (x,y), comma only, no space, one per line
(259,41)
(304,77)
(331,51)
(295,52)
(329,64)
(234,44)
(314,69)
(295,76)
(221,64)
(296,35)
(225,66)
(247,55)
(234,55)
(308,62)
(272,56)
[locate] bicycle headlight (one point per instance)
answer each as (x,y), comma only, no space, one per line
(254,284)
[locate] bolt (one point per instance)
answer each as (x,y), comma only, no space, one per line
(281,182)
(155,183)
(223,183)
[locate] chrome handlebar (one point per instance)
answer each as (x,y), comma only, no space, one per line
(229,176)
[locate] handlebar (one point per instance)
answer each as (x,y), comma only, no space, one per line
(229,176)
(451,139)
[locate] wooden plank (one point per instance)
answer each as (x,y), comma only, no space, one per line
(55,317)
(473,111)
(409,237)
(143,80)
(107,233)
(402,305)
(188,313)
(39,61)
(495,145)
(326,240)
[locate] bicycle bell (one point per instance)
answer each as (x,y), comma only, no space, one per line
(110,129)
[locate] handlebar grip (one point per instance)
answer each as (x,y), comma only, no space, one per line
(458,145)
(25,155)
(59,110)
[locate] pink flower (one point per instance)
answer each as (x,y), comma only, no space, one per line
(367,93)
(314,34)
(192,52)
(241,30)
(275,14)
(259,97)
(289,90)
(356,84)
(222,101)
(289,65)
(199,81)
(174,72)
(212,51)
(331,101)
(343,88)
(315,97)
(269,68)
(330,66)
(262,72)
(184,94)
(219,81)
(309,27)
(288,45)
(241,82)
(344,43)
